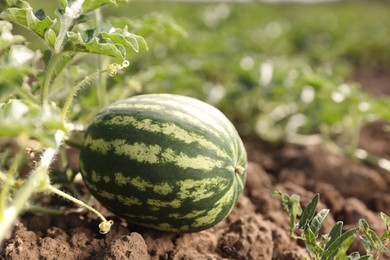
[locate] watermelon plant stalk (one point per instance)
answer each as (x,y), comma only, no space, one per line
(102,62)
(71,13)
(48,77)
(75,89)
(6,179)
(104,226)
(37,178)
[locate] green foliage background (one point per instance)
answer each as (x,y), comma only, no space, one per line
(282,72)
(224,58)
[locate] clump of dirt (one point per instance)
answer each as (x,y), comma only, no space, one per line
(257,228)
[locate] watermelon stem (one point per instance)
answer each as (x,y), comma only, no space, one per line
(239,170)
(76,88)
(104,226)
(112,69)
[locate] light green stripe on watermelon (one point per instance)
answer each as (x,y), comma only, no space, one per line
(129,200)
(206,114)
(96,177)
(157,204)
(125,200)
(196,117)
(191,215)
(217,208)
(98,145)
(137,182)
(169,129)
(152,154)
(197,190)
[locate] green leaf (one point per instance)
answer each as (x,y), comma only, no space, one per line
(315,224)
(6,37)
(356,256)
(24,15)
(8,3)
(11,78)
(386,236)
(334,233)
(340,245)
(63,3)
(311,242)
(76,43)
(386,219)
(366,257)
(113,43)
(363,225)
(152,23)
(353,256)
(123,37)
(50,37)
(291,205)
(309,211)
(90,5)
(367,243)
(369,238)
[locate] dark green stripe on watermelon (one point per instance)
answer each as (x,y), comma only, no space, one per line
(164,161)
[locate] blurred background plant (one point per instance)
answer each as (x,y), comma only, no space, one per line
(34,123)
(281,72)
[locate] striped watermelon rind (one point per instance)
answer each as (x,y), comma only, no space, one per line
(165,162)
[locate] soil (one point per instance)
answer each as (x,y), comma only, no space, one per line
(258,227)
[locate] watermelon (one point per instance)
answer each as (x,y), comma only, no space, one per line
(166,162)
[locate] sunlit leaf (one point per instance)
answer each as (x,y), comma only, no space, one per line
(386,236)
(76,43)
(334,233)
(291,205)
(315,224)
(311,243)
(353,256)
(129,40)
(369,238)
(152,23)
(25,16)
(114,43)
(50,37)
(366,257)
(367,244)
(386,219)
(309,211)
(356,256)
(90,5)
(340,245)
